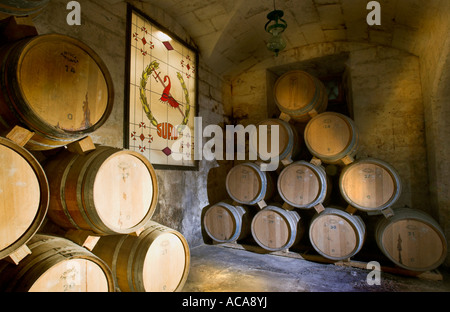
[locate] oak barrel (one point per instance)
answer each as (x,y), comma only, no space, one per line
(157,260)
(288,140)
(300,95)
(303,185)
(107,191)
(247,184)
(275,229)
(225,222)
(24,196)
(55,86)
(332,137)
(336,234)
(370,185)
(56,265)
(412,239)
(22,7)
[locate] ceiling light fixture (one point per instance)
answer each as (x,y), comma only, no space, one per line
(276,26)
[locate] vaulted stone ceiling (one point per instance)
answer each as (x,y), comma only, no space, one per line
(231,37)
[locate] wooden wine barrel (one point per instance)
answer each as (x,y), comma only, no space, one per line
(332,137)
(412,239)
(157,260)
(226,223)
(300,95)
(288,140)
(22,7)
(275,229)
(370,185)
(107,191)
(24,196)
(336,234)
(248,185)
(56,265)
(303,185)
(56,87)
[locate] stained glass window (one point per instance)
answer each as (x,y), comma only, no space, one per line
(162,94)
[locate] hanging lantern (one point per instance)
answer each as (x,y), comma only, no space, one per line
(276,26)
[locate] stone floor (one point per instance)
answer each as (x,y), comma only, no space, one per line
(221,269)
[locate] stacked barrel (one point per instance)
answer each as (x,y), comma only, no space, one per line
(98,200)
(322,197)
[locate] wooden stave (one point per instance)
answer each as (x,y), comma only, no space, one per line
(24,8)
(292,148)
(295,227)
(319,108)
(154,229)
(72,215)
(411,214)
(318,103)
(349,151)
(58,170)
(44,196)
(12,113)
(390,169)
(320,172)
(92,219)
(47,251)
(14,108)
(71,205)
(16,112)
(88,184)
(241,216)
(267,185)
(126,260)
(355,222)
(105,73)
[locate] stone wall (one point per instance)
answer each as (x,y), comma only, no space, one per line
(434,54)
(182,194)
(388,111)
